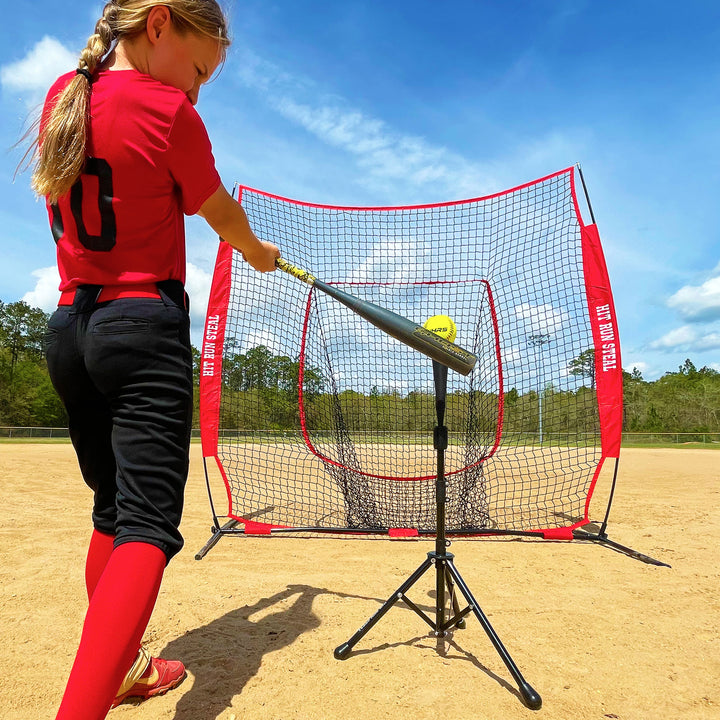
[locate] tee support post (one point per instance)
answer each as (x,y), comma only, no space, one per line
(447,577)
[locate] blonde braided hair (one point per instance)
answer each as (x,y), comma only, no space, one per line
(60,145)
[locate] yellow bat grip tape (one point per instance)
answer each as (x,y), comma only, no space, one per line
(295,271)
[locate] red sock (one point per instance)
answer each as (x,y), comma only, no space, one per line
(101,547)
(116,619)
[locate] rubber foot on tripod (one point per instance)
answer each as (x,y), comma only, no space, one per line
(342,651)
(530,697)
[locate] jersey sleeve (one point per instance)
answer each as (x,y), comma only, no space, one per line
(190,159)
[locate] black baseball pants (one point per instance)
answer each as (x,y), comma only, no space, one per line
(123,370)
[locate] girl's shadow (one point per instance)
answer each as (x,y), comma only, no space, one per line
(226,653)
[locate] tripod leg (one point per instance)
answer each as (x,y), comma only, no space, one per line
(440,584)
(531,698)
(342,651)
(460,624)
(217,533)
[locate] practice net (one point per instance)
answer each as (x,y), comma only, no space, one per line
(319,421)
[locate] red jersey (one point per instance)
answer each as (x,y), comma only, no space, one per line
(149,162)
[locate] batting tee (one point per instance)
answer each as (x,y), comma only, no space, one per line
(320,422)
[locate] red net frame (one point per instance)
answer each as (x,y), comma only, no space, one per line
(546,305)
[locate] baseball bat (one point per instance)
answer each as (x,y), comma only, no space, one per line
(402,329)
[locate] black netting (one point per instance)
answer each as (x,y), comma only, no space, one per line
(327,422)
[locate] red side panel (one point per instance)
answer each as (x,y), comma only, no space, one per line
(608,368)
(212,350)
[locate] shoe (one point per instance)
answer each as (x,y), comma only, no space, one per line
(149,677)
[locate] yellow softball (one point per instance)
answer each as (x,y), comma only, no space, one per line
(441,325)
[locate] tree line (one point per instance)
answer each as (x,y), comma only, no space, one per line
(262,388)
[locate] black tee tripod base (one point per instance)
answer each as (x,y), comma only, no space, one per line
(447,576)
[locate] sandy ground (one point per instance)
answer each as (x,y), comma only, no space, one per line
(596,633)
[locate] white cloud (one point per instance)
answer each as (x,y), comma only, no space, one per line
(678,337)
(643,367)
(393,162)
(698,302)
(266,338)
(541,319)
(32,75)
(45,294)
(197,284)
(709,341)
(383,153)
(261,74)
(395,260)
(687,338)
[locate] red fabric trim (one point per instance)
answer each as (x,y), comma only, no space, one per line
(403,532)
(256,528)
(401,284)
(591,490)
(301,378)
(212,350)
(561,533)
(605,342)
(409,207)
(603,321)
(501,382)
(501,399)
(224,476)
(251,527)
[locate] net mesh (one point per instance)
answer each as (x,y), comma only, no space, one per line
(327,422)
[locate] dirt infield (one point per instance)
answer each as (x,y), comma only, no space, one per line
(598,634)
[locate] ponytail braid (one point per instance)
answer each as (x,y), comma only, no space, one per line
(62,140)
(101,41)
(60,145)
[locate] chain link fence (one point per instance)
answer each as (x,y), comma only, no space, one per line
(628,439)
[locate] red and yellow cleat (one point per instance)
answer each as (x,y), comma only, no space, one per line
(149,677)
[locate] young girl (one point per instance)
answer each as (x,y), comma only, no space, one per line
(122,155)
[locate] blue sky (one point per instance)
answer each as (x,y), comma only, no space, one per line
(395,102)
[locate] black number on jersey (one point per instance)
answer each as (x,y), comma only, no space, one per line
(105,241)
